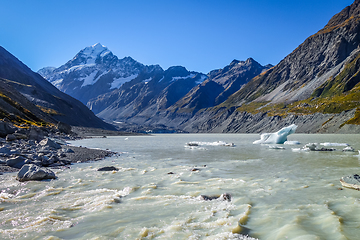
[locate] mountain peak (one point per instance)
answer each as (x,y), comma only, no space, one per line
(95,51)
(349,12)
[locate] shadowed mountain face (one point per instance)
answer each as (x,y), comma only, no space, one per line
(219,86)
(144,99)
(14,74)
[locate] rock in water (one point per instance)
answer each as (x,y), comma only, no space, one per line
(222,197)
(278,137)
(112,168)
(352,181)
(31,172)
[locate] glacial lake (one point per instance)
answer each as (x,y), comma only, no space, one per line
(156,194)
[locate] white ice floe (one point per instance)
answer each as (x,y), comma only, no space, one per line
(278,137)
(217,143)
(348,149)
(307,148)
(329,144)
(276,147)
(292,143)
(314,147)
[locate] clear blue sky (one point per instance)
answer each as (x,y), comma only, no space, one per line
(201,35)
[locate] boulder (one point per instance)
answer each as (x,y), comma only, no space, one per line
(31,172)
(36,134)
(20,135)
(16,162)
(46,142)
(10,137)
(63,127)
(6,128)
(5,150)
(47,161)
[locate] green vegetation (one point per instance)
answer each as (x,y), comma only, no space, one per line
(24,118)
(49,111)
(338,94)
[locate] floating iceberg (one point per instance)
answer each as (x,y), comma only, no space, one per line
(276,138)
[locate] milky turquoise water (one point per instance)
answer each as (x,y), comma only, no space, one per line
(276,194)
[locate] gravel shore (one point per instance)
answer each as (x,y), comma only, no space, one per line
(77,155)
(32,151)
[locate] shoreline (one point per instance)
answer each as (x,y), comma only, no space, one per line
(63,155)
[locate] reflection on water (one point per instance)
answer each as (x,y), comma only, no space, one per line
(276,193)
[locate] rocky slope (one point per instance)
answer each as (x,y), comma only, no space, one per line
(30,97)
(321,57)
(221,83)
(138,101)
(316,86)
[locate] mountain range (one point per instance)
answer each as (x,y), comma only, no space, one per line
(316,87)
(124,90)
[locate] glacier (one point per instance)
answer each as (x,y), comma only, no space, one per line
(278,137)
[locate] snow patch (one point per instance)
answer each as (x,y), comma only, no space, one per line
(202,79)
(89,80)
(147,80)
(120,81)
(57,82)
(178,78)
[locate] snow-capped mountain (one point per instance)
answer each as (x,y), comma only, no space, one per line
(98,78)
(93,71)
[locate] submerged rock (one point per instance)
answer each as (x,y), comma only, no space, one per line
(112,168)
(31,172)
(223,197)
